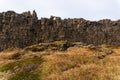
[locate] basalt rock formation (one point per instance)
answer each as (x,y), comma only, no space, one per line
(21,30)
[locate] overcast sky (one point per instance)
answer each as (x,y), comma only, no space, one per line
(88,9)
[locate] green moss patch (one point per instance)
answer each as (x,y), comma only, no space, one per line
(22,63)
(24,76)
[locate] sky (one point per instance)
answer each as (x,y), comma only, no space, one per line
(87,9)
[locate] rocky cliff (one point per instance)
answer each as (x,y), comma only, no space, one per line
(21,30)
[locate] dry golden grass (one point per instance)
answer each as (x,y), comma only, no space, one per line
(74,64)
(6,56)
(9,53)
(81,64)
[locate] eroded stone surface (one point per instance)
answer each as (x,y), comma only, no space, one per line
(21,30)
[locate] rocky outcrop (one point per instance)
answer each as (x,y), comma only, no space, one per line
(21,30)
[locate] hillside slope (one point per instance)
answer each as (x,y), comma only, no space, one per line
(85,62)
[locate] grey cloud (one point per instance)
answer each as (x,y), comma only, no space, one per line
(88,9)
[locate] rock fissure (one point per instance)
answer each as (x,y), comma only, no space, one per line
(25,29)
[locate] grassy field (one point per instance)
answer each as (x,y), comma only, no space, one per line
(83,63)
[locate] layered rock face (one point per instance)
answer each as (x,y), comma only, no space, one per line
(21,30)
